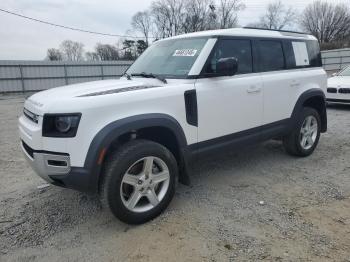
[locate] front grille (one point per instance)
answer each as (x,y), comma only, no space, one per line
(332,90)
(28,149)
(31,116)
(344,90)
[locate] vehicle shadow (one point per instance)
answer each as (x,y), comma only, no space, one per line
(235,161)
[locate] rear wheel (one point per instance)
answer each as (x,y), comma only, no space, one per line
(139,181)
(304,139)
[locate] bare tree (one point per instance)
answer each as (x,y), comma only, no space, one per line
(142,22)
(227,12)
(198,16)
(54,54)
(173,17)
(106,52)
(328,22)
(168,17)
(277,16)
(72,51)
(92,56)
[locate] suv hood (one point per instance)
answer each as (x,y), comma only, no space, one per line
(38,102)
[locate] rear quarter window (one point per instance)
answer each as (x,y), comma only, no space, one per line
(302,54)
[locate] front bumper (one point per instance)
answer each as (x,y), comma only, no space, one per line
(338,95)
(340,101)
(47,164)
(55,168)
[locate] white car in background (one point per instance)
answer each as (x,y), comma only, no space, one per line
(338,90)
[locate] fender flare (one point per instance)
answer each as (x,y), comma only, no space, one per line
(311,93)
(104,138)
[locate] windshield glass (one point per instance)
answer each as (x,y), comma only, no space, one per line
(345,72)
(169,58)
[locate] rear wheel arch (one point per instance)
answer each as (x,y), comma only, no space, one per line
(313,98)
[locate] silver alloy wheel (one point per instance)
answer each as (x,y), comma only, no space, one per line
(308,132)
(145,184)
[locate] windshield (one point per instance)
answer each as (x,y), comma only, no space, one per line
(169,58)
(345,72)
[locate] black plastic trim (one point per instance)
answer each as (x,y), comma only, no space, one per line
(243,138)
(191,107)
(311,93)
(276,30)
(112,131)
(78,179)
(31,151)
(69,134)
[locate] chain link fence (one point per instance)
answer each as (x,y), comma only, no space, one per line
(335,60)
(22,76)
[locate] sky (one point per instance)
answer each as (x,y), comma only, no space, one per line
(21,39)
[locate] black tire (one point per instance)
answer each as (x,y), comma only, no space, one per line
(118,163)
(292,143)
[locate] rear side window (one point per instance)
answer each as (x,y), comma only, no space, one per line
(271,56)
(239,49)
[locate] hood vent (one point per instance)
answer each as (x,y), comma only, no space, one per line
(119,90)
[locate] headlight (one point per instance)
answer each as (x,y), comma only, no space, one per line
(61,125)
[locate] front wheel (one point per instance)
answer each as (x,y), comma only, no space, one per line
(304,139)
(139,181)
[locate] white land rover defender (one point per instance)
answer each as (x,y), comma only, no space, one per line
(130,140)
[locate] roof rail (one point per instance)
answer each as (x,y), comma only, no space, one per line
(282,31)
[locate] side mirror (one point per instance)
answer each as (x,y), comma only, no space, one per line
(227,66)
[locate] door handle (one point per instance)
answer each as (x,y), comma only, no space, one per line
(253,89)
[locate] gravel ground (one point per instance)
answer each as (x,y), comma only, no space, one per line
(305,215)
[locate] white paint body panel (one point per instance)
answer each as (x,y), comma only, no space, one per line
(283,88)
(99,111)
(226,105)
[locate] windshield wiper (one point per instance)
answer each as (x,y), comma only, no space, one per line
(127,76)
(150,75)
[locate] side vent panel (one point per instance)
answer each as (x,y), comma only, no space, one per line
(191,107)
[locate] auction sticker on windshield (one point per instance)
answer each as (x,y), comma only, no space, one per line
(185,52)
